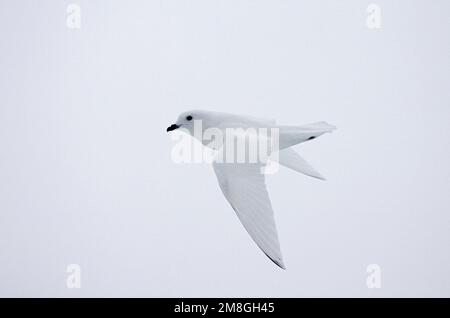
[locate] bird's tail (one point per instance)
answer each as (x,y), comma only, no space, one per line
(292,135)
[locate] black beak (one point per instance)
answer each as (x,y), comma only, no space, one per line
(172,127)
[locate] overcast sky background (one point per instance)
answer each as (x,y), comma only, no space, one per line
(86,172)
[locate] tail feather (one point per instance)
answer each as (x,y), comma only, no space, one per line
(321,125)
(292,135)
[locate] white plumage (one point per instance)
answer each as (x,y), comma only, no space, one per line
(243,184)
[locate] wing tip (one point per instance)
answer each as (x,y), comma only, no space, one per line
(315,175)
(283,267)
(320,177)
(278,262)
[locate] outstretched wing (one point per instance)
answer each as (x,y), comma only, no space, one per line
(244,187)
(290,158)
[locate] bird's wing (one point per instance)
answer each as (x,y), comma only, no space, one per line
(244,187)
(290,158)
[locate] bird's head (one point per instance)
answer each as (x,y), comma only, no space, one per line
(188,119)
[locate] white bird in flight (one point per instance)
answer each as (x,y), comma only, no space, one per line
(243,184)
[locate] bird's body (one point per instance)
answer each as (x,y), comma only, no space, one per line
(243,183)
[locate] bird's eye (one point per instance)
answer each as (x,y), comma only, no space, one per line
(189,117)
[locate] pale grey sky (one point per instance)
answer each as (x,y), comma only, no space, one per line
(86,172)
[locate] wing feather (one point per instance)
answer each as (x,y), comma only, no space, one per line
(244,187)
